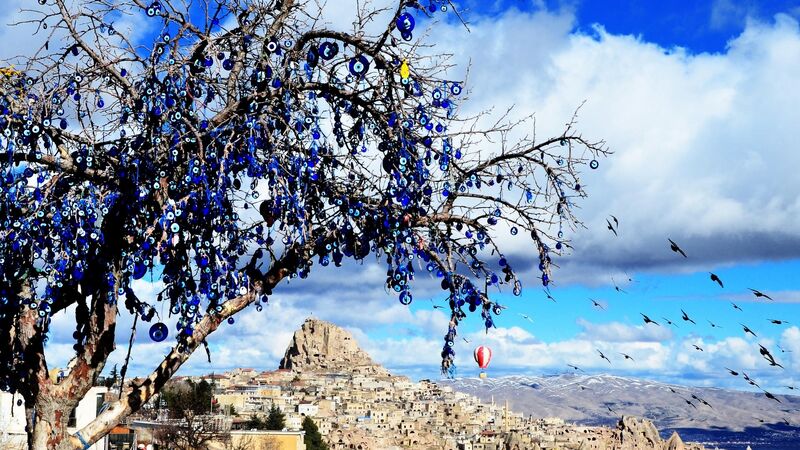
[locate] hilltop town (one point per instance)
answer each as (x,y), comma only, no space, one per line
(357,404)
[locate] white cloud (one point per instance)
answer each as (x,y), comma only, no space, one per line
(695,138)
(619,332)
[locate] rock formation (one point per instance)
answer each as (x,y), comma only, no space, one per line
(675,442)
(634,433)
(638,431)
(319,346)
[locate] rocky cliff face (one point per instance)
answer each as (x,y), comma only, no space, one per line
(634,433)
(319,346)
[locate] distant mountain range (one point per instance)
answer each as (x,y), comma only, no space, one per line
(602,399)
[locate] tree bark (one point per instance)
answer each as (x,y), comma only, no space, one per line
(50,425)
(138,394)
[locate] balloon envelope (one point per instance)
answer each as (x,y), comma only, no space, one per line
(483,355)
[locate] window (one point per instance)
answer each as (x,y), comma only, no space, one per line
(101,397)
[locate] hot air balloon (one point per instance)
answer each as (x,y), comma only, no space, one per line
(483,355)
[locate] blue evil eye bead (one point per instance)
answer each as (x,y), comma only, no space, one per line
(359,66)
(159,332)
(327,50)
(312,57)
(231,320)
(405,23)
(153,9)
(405,298)
(455,89)
(594,164)
(139,269)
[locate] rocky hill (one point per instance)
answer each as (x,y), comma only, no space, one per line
(601,399)
(393,412)
(319,346)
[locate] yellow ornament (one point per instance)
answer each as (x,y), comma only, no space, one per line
(404,71)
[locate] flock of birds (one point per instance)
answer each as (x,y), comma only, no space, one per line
(613,226)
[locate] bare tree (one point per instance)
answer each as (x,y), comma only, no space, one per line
(192,425)
(247,442)
(191,431)
(247,142)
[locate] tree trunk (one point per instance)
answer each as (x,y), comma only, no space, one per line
(50,427)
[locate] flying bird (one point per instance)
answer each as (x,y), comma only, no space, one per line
(598,305)
(611,227)
(733,372)
(759,294)
(549,296)
(465,340)
(768,356)
(604,356)
(575,367)
(627,356)
(616,287)
(669,322)
(526,317)
(783,350)
(747,330)
(702,401)
(674,247)
(630,279)
(716,279)
(686,317)
(616,222)
(689,402)
(735,306)
(648,320)
(750,380)
(778,322)
(771,396)
(713,325)
(697,347)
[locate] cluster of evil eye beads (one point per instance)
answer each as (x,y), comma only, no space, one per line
(184,190)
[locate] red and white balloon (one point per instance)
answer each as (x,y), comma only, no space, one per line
(483,355)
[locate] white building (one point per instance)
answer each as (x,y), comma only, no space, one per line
(307,409)
(12,418)
(12,421)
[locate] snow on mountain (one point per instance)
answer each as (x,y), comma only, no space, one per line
(602,399)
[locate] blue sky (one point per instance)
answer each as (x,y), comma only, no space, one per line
(699,26)
(698,102)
